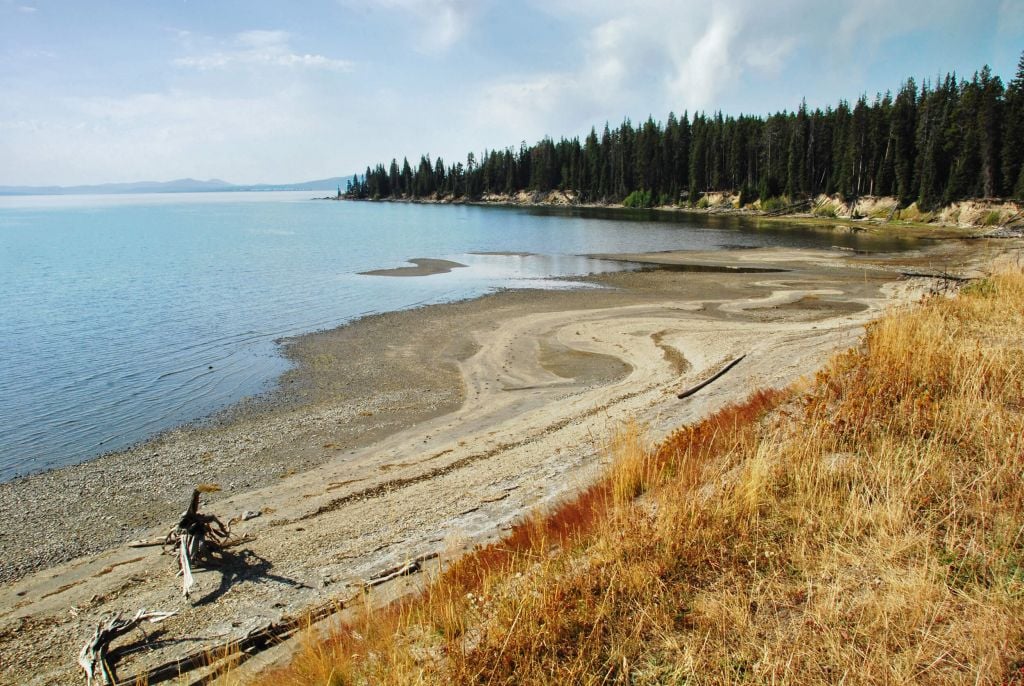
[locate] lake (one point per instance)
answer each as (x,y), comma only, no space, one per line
(123,316)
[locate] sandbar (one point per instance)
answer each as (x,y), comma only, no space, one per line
(424,266)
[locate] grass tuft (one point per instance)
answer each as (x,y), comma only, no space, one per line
(825,209)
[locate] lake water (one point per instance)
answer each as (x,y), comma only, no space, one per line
(122,316)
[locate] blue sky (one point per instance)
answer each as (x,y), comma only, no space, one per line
(95,91)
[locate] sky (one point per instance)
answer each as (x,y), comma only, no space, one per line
(263,91)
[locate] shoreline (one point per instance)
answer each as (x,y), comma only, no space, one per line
(379,374)
(363,465)
(724,207)
(431,266)
(373,403)
(272,391)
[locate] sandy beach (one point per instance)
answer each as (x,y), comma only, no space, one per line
(422,431)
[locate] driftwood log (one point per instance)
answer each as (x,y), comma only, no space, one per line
(195,538)
(690,391)
(94,656)
(788,208)
(943,276)
(411,567)
(219,658)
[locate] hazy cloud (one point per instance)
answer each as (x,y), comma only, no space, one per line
(178,133)
(17,7)
(269,105)
(1011,16)
(653,56)
(440,23)
(261,49)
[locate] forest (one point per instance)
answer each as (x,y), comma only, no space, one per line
(933,143)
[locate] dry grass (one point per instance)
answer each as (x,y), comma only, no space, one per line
(914,214)
(868,529)
(825,209)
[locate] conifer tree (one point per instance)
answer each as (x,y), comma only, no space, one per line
(903,129)
(948,140)
(1013,133)
(990,129)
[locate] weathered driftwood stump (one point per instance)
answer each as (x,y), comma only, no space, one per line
(195,538)
(94,654)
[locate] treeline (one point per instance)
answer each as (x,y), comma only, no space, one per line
(932,143)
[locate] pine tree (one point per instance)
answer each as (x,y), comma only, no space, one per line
(1013,132)
(405,183)
(966,168)
(951,140)
(902,131)
(990,129)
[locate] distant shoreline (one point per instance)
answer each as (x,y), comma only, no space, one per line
(176,186)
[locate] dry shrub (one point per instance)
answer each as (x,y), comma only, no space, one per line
(867,530)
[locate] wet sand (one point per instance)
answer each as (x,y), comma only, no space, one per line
(424,266)
(411,432)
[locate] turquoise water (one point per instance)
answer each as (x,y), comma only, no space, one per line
(122,316)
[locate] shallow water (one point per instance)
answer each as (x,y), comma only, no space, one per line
(122,316)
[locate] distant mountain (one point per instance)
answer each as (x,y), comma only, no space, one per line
(176,186)
(331,184)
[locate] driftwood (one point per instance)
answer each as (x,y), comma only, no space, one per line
(690,391)
(195,538)
(788,208)
(405,569)
(221,657)
(1012,220)
(147,542)
(943,276)
(93,657)
(233,652)
(892,212)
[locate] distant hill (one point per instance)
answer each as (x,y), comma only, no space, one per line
(176,186)
(331,184)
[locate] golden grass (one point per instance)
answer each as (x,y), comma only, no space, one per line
(867,529)
(825,209)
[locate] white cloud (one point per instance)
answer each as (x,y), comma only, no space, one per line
(440,23)
(708,65)
(261,49)
(527,107)
(653,56)
(253,106)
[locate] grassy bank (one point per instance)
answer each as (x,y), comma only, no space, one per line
(865,528)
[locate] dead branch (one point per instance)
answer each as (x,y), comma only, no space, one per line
(93,656)
(235,651)
(1012,220)
(405,569)
(147,542)
(943,276)
(195,539)
(690,391)
(788,208)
